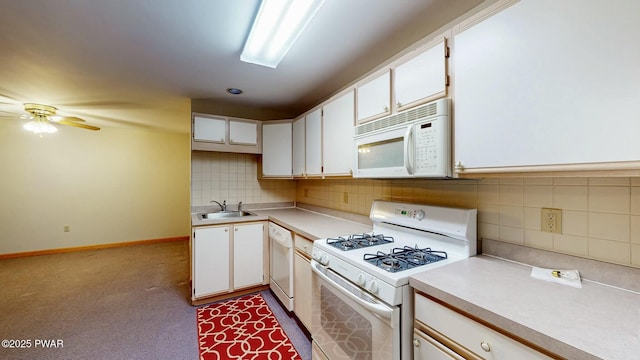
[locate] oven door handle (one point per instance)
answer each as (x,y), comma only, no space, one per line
(375,306)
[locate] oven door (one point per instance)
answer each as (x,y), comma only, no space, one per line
(348,323)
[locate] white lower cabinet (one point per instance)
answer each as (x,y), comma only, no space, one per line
(441,333)
(227,258)
(210,260)
(302,280)
(248,255)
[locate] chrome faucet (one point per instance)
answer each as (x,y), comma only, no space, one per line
(223,206)
(240,206)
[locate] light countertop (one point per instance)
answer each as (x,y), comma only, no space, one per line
(313,225)
(592,322)
(305,222)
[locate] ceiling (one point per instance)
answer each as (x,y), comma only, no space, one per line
(138,63)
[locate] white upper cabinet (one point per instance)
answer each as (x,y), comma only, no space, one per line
(313,143)
(243,132)
(422,77)
(209,129)
(374,97)
(416,78)
(299,147)
(225,134)
(276,149)
(337,140)
(532,96)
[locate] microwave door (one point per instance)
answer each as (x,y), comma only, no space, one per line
(381,155)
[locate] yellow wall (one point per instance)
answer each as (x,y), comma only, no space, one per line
(600,216)
(113,185)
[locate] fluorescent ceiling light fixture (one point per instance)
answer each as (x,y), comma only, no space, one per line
(278,25)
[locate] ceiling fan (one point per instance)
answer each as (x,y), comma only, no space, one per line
(44,116)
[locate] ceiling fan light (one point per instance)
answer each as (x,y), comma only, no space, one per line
(40,127)
(277,26)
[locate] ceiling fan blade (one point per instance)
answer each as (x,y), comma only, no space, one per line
(65,118)
(103,105)
(76,124)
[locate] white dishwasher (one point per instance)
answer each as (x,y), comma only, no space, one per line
(281,270)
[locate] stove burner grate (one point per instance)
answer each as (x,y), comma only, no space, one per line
(404,258)
(358,241)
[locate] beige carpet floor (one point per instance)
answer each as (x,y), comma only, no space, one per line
(119,303)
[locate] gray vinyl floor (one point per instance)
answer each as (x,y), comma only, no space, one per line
(119,303)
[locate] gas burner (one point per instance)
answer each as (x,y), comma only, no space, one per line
(404,258)
(419,256)
(358,241)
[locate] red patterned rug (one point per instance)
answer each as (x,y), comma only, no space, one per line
(243,328)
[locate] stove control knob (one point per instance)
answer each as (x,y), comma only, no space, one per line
(324,260)
(361,280)
(419,214)
(373,286)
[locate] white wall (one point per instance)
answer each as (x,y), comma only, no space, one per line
(113,185)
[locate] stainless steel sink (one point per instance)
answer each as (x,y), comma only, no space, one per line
(224,215)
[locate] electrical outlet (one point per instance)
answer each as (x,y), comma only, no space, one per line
(551,220)
(345,197)
(66,228)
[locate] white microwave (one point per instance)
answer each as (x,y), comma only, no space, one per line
(415,143)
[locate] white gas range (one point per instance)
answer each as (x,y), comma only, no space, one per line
(362,302)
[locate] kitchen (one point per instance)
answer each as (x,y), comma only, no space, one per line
(508,206)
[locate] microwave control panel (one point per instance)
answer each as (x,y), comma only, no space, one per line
(427,146)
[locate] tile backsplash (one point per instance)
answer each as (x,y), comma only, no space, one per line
(600,216)
(233,177)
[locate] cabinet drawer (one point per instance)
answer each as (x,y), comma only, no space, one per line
(481,340)
(303,245)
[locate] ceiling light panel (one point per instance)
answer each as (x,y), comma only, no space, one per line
(278,25)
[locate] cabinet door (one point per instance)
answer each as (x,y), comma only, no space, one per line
(313,137)
(299,144)
(374,97)
(422,78)
(210,260)
(538,98)
(276,149)
(248,255)
(337,140)
(243,132)
(426,348)
(470,335)
(302,289)
(209,129)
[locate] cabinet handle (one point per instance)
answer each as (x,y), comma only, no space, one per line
(235,228)
(485,346)
(226,230)
(416,342)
